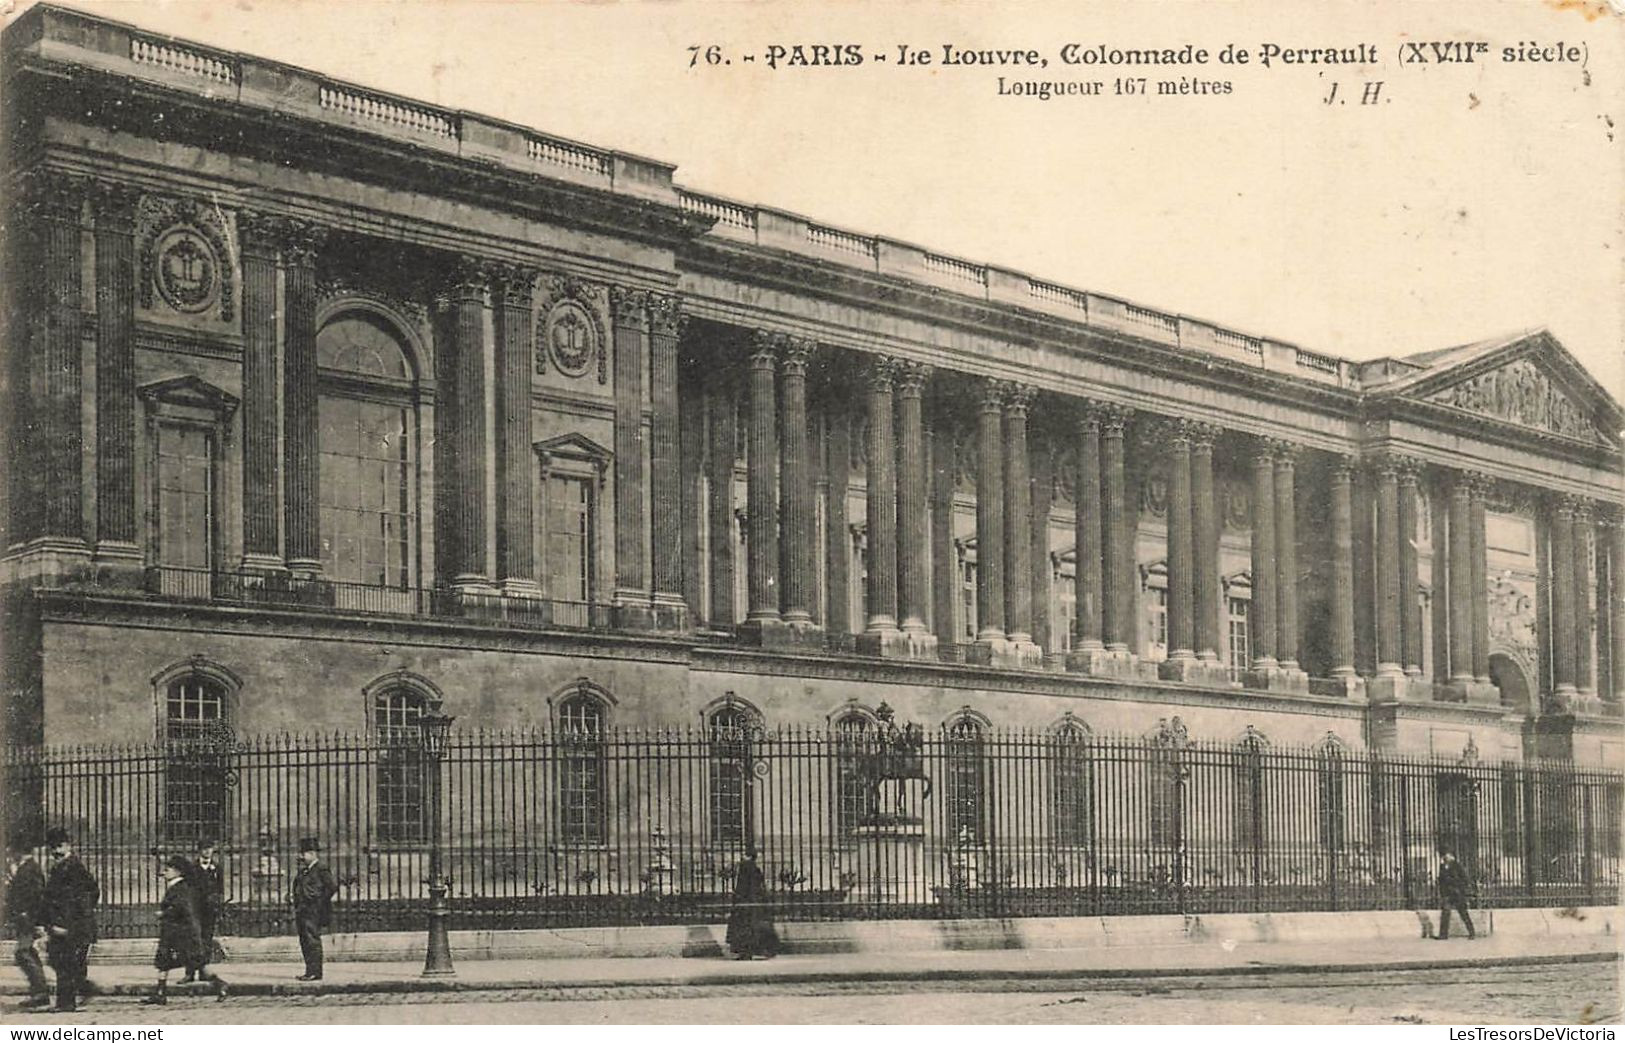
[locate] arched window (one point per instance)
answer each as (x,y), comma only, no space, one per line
(729,729)
(1165,769)
(854,737)
(1329,773)
(197,741)
(1072,781)
(582,720)
(967,780)
(368,432)
(399,780)
(1247,789)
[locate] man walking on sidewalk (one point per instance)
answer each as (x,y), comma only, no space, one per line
(209,888)
(69,919)
(312,897)
(25,901)
(1453,889)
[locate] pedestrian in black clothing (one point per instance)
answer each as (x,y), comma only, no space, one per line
(750,926)
(312,898)
(180,932)
(1453,890)
(25,900)
(69,919)
(209,887)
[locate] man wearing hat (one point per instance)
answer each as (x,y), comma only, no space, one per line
(180,932)
(69,919)
(25,900)
(312,898)
(209,888)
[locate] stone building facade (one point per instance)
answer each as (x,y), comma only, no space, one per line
(327,406)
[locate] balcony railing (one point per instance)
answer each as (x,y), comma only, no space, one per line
(187,61)
(276,590)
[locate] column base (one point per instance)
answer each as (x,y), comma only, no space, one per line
(898,644)
(1100,662)
(776,633)
(119,564)
(521,588)
(671,613)
(1470,692)
(1349,686)
(263,564)
(1194,671)
(1005,654)
(1278,679)
(50,560)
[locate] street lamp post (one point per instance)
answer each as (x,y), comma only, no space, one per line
(433,727)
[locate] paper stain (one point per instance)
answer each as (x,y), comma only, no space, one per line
(1590,10)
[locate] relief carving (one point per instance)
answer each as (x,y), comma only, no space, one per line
(183,257)
(1521,394)
(1512,618)
(571,333)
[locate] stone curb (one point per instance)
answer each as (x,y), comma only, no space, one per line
(401,986)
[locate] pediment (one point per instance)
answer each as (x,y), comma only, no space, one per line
(190,391)
(1533,384)
(575,446)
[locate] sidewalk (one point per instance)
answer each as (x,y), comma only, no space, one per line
(563,976)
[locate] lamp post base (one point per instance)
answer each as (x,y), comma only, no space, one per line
(437,964)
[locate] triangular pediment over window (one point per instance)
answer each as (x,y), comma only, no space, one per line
(191,392)
(576,446)
(1529,381)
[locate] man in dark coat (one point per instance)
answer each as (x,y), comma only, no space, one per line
(209,887)
(180,932)
(1453,889)
(750,926)
(312,898)
(25,900)
(69,919)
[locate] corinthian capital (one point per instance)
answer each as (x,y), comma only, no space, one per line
(911,378)
(993,395)
(1114,419)
(765,348)
(1018,398)
(666,316)
(54,195)
(513,285)
(631,306)
(114,207)
(1202,435)
(302,240)
(881,371)
(796,353)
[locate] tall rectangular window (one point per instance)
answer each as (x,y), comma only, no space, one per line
(967,601)
(569,547)
(366,496)
(1240,639)
(185,483)
(1159,625)
(399,790)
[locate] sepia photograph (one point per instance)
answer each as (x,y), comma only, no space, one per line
(532,512)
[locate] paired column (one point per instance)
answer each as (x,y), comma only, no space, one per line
(1461,581)
(1181,587)
(1205,551)
(761,488)
(1390,574)
(114,207)
(1342,608)
(1410,609)
(1564,600)
(837,536)
(990,518)
(723,432)
(1087,632)
(512,292)
(913,521)
(1286,557)
(665,473)
(1262,617)
(301,460)
(258,237)
(796,488)
(944,561)
(1117,536)
(1478,488)
(631,595)
(1584,678)
(1018,605)
(880,499)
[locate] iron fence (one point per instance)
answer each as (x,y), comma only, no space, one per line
(626,827)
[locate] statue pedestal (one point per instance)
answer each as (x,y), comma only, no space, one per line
(891,861)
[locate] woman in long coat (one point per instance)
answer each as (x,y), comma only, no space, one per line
(750,926)
(180,932)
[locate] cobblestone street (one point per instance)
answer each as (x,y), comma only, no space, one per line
(1573,994)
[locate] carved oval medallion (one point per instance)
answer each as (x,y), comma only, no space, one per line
(572,338)
(187,271)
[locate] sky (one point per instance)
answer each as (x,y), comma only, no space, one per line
(1471,200)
